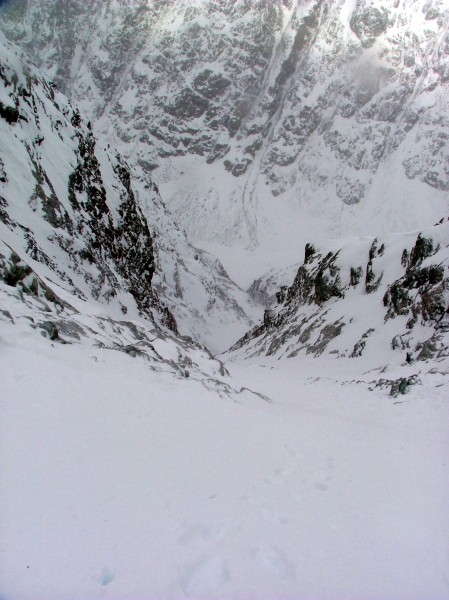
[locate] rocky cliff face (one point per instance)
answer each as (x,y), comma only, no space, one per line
(54,183)
(381,298)
(334,113)
(97,226)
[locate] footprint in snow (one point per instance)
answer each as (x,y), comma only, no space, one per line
(323,485)
(274,561)
(213,533)
(203,577)
(107,577)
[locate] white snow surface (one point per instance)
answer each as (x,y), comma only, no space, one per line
(133,466)
(123,483)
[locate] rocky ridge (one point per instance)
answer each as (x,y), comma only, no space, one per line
(386,297)
(99,226)
(77,221)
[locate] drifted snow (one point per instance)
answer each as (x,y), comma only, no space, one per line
(124,483)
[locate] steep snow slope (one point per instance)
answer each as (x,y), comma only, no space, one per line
(121,481)
(33,307)
(73,204)
(264,122)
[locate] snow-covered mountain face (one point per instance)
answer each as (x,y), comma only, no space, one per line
(134,463)
(265,121)
(74,213)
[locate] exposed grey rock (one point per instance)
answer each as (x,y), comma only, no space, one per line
(400,342)
(356,275)
(422,291)
(360,345)
(327,334)
(369,21)
(402,385)
(351,192)
(49,329)
(372,281)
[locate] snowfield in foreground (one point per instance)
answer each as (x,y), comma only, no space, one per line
(127,484)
